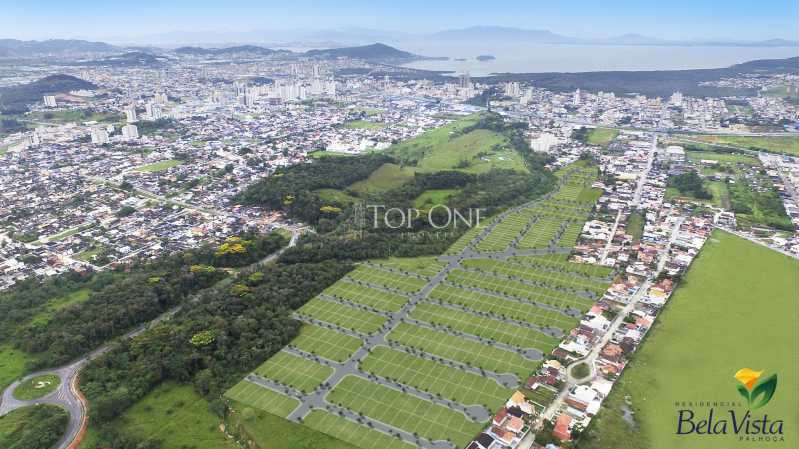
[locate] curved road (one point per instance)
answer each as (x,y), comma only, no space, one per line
(68,396)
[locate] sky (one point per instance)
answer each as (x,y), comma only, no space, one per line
(136,20)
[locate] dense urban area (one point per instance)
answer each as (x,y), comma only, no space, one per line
(191,254)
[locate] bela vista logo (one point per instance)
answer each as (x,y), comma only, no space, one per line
(744,426)
(762,393)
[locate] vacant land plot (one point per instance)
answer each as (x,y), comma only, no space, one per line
(470,352)
(712,327)
(159,166)
(326,343)
(777,144)
(396,281)
(177,417)
(601,136)
(352,432)
(433,197)
(342,315)
(379,299)
(425,266)
(13,364)
(429,420)
(253,395)
(460,386)
(386,177)
(297,372)
(363,124)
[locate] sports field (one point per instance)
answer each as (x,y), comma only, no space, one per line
(424,349)
(736,308)
(159,166)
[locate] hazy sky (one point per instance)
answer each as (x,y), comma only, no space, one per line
(671,19)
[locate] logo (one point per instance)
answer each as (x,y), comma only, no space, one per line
(757,393)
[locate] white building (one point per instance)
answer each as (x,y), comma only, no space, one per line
(49,101)
(130,114)
(99,135)
(130,132)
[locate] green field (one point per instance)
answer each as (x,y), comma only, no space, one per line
(335,196)
(363,124)
(352,432)
(159,166)
(776,144)
(386,177)
(431,421)
(722,157)
(36,387)
(177,417)
(252,395)
(433,197)
(736,308)
(322,153)
(13,364)
(325,343)
(297,372)
(601,136)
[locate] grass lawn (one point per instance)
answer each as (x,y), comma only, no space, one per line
(635,225)
(433,197)
(325,343)
(177,416)
(57,304)
(159,166)
(386,177)
(353,432)
(364,124)
(601,136)
(580,370)
(248,394)
(297,372)
(320,153)
(722,157)
(735,309)
(777,144)
(37,387)
(13,364)
(273,432)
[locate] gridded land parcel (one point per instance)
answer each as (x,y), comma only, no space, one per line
(404,353)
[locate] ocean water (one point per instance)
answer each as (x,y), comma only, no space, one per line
(525,57)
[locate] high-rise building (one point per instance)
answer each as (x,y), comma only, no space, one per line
(577,98)
(99,135)
(512,89)
(130,114)
(316,71)
(161,98)
(130,132)
(154,111)
(465,81)
(49,101)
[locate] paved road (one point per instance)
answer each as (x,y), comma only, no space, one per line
(639,190)
(67,395)
(606,249)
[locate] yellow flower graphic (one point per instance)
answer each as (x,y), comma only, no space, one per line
(748,377)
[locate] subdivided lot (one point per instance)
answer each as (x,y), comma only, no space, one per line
(379,299)
(502,307)
(517,289)
(425,266)
(460,386)
(413,414)
(325,343)
(352,432)
(541,396)
(254,395)
(342,315)
(484,327)
(558,263)
(736,308)
(297,372)
(552,278)
(395,281)
(472,353)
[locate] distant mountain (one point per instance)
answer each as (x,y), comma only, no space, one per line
(129,59)
(252,50)
(502,34)
(60,47)
(15,99)
(375,52)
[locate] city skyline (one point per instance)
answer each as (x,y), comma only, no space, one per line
(203,21)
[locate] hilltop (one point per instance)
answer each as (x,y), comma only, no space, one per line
(17,98)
